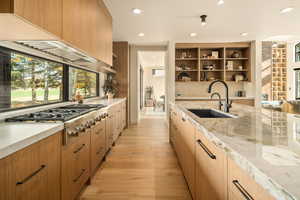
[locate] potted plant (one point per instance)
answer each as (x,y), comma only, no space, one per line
(110,86)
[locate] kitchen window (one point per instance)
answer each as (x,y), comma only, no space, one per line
(297,81)
(297,52)
(82,82)
(27,81)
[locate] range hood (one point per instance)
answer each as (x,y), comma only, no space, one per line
(59,49)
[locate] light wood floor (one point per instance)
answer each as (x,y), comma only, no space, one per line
(142,166)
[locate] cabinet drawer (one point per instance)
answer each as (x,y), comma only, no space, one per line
(75,166)
(98,141)
(36,170)
(241,186)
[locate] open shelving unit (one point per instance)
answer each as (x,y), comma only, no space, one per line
(207,62)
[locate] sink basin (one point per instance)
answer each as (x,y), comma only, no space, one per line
(210,113)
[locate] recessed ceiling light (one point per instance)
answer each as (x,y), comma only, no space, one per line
(137,11)
(286,10)
(244,34)
(221,2)
(193,34)
(141,34)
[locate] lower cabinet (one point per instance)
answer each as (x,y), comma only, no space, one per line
(241,186)
(211,170)
(98,144)
(32,173)
(186,151)
(76,166)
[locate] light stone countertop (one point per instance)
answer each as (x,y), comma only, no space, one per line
(208,98)
(264,143)
(15,136)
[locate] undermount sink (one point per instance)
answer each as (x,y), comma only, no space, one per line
(210,113)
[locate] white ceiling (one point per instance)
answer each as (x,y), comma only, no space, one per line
(152,58)
(166,20)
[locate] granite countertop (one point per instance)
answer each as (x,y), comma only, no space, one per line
(208,98)
(265,143)
(18,135)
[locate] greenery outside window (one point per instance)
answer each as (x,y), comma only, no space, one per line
(297,52)
(82,82)
(27,81)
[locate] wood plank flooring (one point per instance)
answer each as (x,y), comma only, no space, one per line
(142,166)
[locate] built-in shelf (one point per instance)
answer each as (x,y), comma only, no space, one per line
(192,70)
(218,56)
(208,59)
(178,59)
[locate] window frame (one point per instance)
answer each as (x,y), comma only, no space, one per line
(297,53)
(65,78)
(297,96)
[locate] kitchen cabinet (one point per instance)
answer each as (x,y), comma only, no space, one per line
(33,173)
(46,14)
(241,186)
(88,26)
(85,25)
(185,149)
(98,142)
(211,170)
(76,165)
(109,131)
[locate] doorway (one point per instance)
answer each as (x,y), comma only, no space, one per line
(152,67)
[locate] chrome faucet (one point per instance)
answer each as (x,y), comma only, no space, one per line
(219,96)
(227,104)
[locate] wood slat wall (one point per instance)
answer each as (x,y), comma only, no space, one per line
(6,6)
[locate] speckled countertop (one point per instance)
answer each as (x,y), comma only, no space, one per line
(18,135)
(264,143)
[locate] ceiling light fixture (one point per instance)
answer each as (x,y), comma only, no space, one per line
(203,20)
(137,11)
(221,2)
(286,10)
(193,34)
(141,34)
(244,34)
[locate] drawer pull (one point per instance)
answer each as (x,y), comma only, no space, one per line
(78,177)
(209,153)
(32,175)
(183,119)
(79,149)
(242,190)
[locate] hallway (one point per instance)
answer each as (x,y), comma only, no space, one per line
(142,166)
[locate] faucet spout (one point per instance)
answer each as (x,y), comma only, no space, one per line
(227,103)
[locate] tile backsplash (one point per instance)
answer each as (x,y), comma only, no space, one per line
(199,89)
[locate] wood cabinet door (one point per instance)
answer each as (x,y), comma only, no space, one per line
(46,14)
(211,170)
(109,132)
(188,149)
(36,170)
(75,166)
(97,144)
(241,186)
(7,184)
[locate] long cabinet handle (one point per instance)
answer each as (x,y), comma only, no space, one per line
(79,149)
(31,175)
(242,190)
(78,177)
(209,153)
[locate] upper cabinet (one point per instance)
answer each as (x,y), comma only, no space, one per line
(83,24)
(46,14)
(88,25)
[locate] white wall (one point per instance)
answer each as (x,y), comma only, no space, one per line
(291,64)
